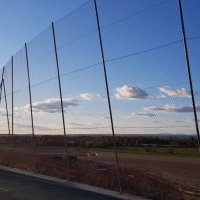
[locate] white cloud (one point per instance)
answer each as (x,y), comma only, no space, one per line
(175,92)
(51,105)
(16,115)
(85,125)
(162,96)
(3,123)
(131,93)
(144,114)
(174,108)
(89,97)
(3,112)
(28,126)
(154,121)
(177,121)
(192,120)
(127,117)
(76,124)
(105,117)
(153,108)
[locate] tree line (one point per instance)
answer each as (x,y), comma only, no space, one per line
(98,141)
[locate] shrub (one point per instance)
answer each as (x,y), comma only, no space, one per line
(170,151)
(147,149)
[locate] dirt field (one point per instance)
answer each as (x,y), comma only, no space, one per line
(182,170)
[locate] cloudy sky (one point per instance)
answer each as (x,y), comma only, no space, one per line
(144,57)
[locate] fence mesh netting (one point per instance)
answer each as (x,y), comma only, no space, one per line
(103,97)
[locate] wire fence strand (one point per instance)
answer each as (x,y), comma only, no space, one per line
(144,79)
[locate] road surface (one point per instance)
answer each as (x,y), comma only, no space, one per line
(22,186)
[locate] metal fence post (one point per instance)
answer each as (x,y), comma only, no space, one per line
(61,101)
(31,108)
(108,95)
(1,84)
(0,90)
(12,112)
(4,88)
(189,71)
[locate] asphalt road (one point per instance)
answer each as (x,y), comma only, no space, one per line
(17,186)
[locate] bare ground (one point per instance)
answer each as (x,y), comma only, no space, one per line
(181,170)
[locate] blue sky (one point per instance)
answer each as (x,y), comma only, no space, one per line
(144,57)
(23,20)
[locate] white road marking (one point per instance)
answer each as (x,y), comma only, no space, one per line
(3,190)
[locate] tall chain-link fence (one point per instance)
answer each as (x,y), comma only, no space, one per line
(103,96)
